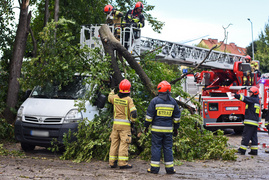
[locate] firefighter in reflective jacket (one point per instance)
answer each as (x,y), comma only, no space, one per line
(254,64)
(251,121)
(124,110)
(246,77)
(134,18)
(164,115)
(114,18)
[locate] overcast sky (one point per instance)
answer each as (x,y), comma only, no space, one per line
(191,19)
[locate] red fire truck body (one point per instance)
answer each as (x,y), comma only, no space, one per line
(218,110)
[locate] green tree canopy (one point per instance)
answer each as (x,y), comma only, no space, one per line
(6,44)
(262,51)
(6,31)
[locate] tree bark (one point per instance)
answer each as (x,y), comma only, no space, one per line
(56,16)
(108,41)
(34,43)
(46,16)
(56,10)
(16,61)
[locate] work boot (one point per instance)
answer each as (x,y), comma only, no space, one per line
(128,166)
(115,164)
(171,171)
(150,171)
(241,152)
(253,153)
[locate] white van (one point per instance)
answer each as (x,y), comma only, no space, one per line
(49,112)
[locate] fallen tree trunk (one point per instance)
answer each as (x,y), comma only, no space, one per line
(110,44)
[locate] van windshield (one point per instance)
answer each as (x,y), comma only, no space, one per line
(73,90)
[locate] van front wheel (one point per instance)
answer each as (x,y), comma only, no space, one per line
(27,147)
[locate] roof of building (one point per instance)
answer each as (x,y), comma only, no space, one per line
(229,48)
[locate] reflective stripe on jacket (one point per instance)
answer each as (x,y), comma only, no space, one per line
(132,17)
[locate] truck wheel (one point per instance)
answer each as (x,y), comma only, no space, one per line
(27,147)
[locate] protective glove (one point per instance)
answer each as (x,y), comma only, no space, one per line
(175,133)
(133,129)
(112,91)
(139,25)
(146,130)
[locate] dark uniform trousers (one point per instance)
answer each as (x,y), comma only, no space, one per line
(158,141)
(249,133)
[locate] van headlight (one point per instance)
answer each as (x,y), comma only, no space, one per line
(19,114)
(73,116)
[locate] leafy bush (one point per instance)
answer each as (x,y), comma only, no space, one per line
(6,130)
(92,140)
(194,142)
(4,87)
(6,152)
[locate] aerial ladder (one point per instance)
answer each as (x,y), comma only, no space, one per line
(171,52)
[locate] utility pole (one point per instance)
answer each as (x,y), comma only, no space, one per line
(252,39)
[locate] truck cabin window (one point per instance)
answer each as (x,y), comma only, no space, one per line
(75,89)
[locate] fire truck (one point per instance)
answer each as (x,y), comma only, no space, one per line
(220,111)
(226,73)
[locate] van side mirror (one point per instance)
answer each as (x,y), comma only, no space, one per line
(27,93)
(101,100)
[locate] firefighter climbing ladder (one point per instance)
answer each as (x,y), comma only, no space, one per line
(170,52)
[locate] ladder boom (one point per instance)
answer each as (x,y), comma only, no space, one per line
(189,55)
(171,52)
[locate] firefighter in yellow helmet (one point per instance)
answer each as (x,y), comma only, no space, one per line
(124,112)
(164,115)
(113,18)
